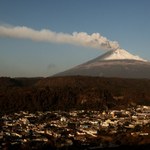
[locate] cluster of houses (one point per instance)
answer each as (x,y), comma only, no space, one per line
(62,129)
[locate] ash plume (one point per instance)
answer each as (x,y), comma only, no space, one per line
(94,40)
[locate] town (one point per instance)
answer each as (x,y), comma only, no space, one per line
(83,129)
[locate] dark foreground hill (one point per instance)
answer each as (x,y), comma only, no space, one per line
(76,92)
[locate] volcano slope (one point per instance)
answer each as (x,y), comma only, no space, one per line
(116,63)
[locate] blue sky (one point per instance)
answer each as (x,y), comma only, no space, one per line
(124,21)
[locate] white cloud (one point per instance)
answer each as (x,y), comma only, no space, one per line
(94,40)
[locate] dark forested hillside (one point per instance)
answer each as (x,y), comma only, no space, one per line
(76,92)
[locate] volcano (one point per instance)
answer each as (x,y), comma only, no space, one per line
(114,63)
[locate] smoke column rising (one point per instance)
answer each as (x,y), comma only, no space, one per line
(94,40)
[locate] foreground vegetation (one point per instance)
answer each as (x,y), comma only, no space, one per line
(68,93)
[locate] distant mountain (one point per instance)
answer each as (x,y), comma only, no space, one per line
(116,63)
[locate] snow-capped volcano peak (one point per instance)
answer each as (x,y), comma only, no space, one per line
(120,54)
(114,63)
